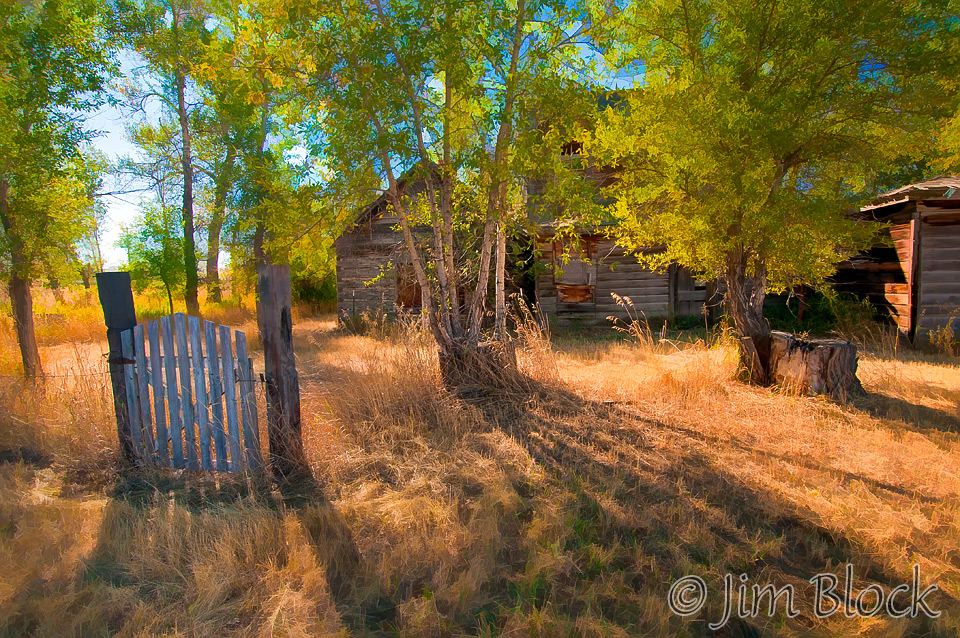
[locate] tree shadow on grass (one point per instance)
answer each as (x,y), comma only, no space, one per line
(160,525)
(923,418)
(653,496)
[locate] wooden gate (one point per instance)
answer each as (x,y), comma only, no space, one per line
(191,402)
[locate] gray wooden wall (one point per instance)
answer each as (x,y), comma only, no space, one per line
(939,270)
(361,254)
(656,295)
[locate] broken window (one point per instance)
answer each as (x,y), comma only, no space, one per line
(408,289)
(575,270)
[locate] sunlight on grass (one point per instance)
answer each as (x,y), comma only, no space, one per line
(562,508)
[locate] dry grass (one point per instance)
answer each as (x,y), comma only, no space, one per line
(563,508)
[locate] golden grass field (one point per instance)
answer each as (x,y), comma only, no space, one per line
(565,507)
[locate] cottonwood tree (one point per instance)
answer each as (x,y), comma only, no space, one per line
(220,131)
(946,146)
(154,247)
(434,91)
(752,126)
(55,59)
(167,34)
(252,67)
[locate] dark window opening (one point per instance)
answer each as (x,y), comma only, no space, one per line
(409,293)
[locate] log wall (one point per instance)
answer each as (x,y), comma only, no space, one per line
(361,255)
(882,274)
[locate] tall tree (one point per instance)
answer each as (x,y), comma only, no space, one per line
(433,92)
(753,125)
(154,248)
(167,34)
(55,58)
(220,147)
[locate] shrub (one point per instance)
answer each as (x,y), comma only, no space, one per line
(944,338)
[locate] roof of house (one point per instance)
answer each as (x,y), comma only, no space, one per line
(947,186)
(409,176)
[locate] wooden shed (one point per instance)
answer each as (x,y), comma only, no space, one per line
(373,267)
(913,274)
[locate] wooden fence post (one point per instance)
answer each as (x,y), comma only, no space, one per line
(119,314)
(275,321)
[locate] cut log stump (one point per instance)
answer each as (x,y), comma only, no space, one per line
(818,366)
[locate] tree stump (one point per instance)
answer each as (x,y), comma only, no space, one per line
(820,366)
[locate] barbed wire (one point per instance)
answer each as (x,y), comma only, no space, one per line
(56,376)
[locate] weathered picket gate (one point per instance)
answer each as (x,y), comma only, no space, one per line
(191,402)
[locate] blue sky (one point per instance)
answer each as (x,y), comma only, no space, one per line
(122,209)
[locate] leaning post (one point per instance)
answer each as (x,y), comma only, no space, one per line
(119,314)
(275,321)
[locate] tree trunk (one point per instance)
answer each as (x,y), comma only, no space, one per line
(54,282)
(191,280)
(744,299)
(169,296)
(85,277)
(446,209)
(495,198)
(214,294)
(500,329)
(260,256)
(473,370)
(21,299)
(259,250)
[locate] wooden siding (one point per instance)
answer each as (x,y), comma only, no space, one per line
(365,250)
(939,270)
(882,274)
(913,274)
(361,255)
(655,295)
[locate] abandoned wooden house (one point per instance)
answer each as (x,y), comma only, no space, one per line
(575,281)
(912,275)
(580,272)
(373,268)
(579,278)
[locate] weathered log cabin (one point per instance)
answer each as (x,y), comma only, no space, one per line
(912,275)
(373,267)
(580,272)
(576,279)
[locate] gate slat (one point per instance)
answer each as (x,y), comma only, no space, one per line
(143,390)
(156,373)
(216,396)
(173,394)
(128,355)
(186,398)
(199,383)
(175,360)
(248,406)
(230,399)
